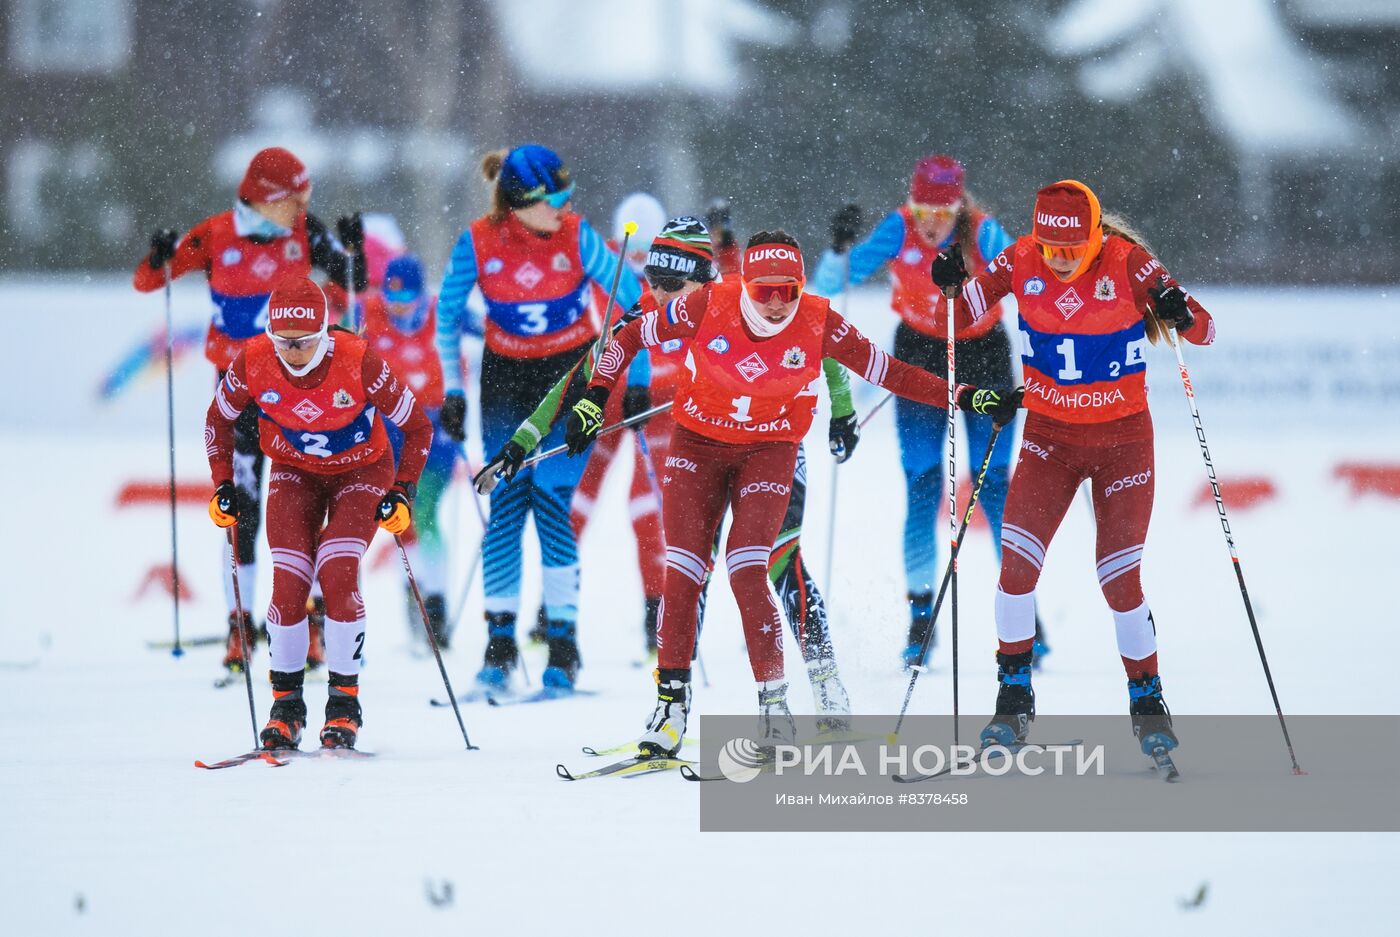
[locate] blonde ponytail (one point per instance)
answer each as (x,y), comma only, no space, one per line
(1118,226)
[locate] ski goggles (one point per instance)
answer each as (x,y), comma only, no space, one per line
(559,199)
(934,212)
(761,293)
(665,283)
(1073,252)
(299,343)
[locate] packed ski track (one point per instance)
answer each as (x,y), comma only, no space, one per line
(108,828)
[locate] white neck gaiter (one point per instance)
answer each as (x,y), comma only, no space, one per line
(758,324)
(248,223)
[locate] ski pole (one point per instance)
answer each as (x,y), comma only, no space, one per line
(242,634)
(950,296)
(1230,541)
(836,466)
(432,641)
(177,650)
(606,430)
(876,409)
(948,572)
(628,229)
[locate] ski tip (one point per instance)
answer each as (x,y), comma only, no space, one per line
(563,773)
(589,750)
(492,701)
(690,774)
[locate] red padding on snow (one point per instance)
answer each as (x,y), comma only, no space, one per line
(160,577)
(1242,493)
(134,494)
(1370,478)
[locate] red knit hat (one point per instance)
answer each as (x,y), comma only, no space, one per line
(773,260)
(937,180)
(273,174)
(1066,213)
(297,304)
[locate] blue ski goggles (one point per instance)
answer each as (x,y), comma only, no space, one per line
(561,198)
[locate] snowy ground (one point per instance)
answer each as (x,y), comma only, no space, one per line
(107,828)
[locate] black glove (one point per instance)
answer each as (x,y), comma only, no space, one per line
(635,400)
(351,229)
(585,420)
(718,221)
(1169,305)
(223,507)
(163,247)
(948,270)
(842,435)
(845,226)
(1000,405)
(453,416)
(396,507)
(501,468)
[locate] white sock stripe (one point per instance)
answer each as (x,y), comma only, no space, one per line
(1020,551)
(1027,534)
(303,574)
(687,563)
(680,551)
(1105,580)
(1137,546)
(1110,567)
(748,553)
(686,571)
(739,567)
(1014,539)
(644,505)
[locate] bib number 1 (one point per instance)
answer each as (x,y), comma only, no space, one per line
(741,409)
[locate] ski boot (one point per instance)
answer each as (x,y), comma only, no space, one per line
(241,639)
(1152,721)
(343,717)
(775,723)
(829,693)
(539,633)
(1041,647)
(649,622)
(1015,709)
(436,607)
(666,727)
(502,653)
(561,669)
(316,626)
(288,715)
(921,625)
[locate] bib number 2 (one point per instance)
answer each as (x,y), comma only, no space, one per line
(315,444)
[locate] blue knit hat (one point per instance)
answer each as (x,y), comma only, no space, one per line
(403,279)
(532,172)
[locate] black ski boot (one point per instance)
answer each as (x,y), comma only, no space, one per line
(649,622)
(343,717)
(539,633)
(436,607)
(920,625)
(562,667)
(1152,721)
(502,653)
(288,714)
(1015,709)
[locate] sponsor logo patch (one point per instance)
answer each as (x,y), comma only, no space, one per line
(794,358)
(264,267)
(774,487)
(719,345)
(1104,289)
(528,275)
(270,397)
(751,368)
(561,263)
(672,345)
(1033,287)
(912,256)
(342,399)
(308,411)
(231,256)
(1069,303)
(1128,481)
(494,265)
(681,463)
(292,250)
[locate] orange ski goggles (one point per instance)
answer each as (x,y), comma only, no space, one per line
(761,293)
